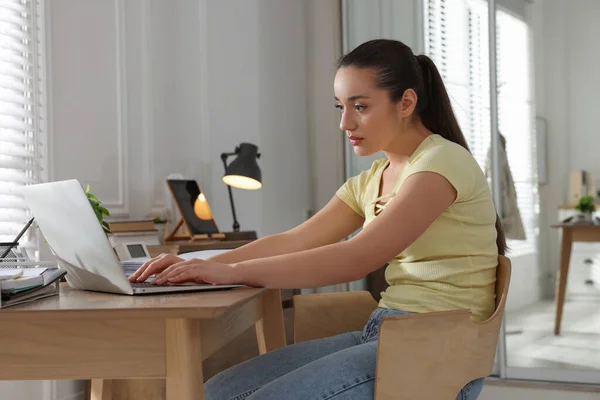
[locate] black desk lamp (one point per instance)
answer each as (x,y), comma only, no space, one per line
(242,173)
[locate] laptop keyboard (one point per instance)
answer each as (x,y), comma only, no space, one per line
(142,284)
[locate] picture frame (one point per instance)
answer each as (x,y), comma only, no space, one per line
(185,192)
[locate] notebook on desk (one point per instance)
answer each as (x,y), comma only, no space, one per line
(46,284)
(80,245)
(24,278)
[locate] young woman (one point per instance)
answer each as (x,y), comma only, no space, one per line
(425,209)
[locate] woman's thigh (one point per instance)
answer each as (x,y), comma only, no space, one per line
(240,381)
(347,374)
(471,391)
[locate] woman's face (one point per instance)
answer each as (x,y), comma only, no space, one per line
(368,117)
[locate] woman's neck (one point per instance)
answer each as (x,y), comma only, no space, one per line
(400,150)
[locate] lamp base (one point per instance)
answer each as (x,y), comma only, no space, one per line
(243,235)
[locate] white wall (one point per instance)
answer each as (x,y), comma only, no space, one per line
(258,91)
(583,55)
(140,89)
(326,138)
(567,85)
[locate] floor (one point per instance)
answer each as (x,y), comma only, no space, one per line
(531,341)
(503,392)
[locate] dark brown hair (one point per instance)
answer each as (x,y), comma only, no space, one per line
(398,69)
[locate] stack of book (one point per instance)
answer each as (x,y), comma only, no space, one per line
(23,280)
(28,281)
(134,232)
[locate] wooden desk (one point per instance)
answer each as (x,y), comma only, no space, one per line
(570,234)
(108,337)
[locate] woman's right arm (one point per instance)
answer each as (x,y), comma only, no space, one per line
(331,224)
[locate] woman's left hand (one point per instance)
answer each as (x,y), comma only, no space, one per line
(198,271)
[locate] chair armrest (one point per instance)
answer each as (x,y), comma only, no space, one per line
(327,314)
(433,355)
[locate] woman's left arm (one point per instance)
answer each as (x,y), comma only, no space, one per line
(421,199)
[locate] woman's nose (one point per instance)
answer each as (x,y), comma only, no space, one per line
(346,122)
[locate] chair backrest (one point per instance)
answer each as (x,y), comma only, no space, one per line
(502,281)
(490,329)
(438,353)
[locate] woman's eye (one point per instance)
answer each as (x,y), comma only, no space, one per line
(359,107)
(339,107)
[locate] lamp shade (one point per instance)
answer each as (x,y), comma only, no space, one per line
(244,172)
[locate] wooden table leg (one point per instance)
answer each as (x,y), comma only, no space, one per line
(184,379)
(101,389)
(138,389)
(270,330)
(563,273)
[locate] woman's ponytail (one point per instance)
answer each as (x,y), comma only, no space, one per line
(436,112)
(437,116)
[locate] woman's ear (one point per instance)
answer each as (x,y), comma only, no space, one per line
(407,104)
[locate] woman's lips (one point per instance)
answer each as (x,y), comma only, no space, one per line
(354,140)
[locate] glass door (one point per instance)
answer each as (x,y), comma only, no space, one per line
(528,348)
(534,350)
(530,65)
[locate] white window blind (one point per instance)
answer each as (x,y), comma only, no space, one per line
(456,38)
(21,108)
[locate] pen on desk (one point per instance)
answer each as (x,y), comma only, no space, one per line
(18,237)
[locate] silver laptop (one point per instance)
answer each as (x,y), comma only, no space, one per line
(65,217)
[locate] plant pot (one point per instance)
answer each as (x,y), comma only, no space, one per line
(161,230)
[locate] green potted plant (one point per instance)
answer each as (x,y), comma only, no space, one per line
(99,210)
(586,206)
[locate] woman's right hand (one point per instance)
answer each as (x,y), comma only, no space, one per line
(154,266)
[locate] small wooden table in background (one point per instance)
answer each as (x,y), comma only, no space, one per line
(570,233)
(133,347)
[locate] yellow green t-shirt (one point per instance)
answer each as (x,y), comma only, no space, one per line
(452,265)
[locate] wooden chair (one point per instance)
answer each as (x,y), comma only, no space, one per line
(419,356)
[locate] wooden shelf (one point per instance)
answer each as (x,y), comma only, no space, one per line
(199,245)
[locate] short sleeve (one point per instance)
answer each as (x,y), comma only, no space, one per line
(451,161)
(351,193)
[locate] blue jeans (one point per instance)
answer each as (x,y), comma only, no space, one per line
(340,367)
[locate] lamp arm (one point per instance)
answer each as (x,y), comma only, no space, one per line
(225,155)
(236,224)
